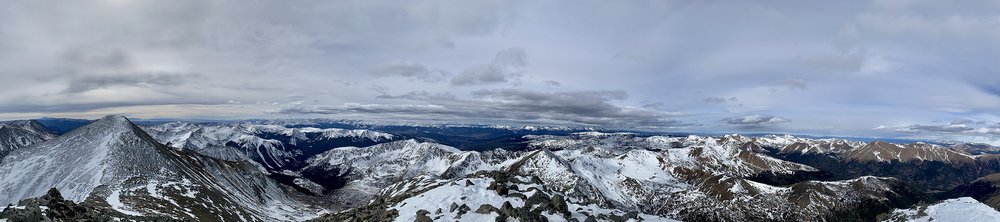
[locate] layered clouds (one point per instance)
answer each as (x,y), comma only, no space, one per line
(894,68)
(755,120)
(592,108)
(507,66)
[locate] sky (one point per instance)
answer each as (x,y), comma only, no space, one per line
(925,69)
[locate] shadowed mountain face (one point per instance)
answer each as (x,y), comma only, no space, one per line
(985,189)
(926,166)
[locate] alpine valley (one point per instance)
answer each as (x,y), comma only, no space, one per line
(114,169)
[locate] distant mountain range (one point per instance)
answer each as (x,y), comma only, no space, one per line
(114,169)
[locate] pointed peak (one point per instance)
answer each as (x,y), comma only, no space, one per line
(115,118)
(23,122)
(109,123)
(880,143)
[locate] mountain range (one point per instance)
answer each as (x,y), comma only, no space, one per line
(114,169)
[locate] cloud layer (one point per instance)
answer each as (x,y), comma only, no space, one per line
(754,120)
(590,108)
(835,68)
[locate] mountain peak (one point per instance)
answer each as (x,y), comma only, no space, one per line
(23,122)
(115,118)
(111,123)
(879,143)
(31,125)
(109,149)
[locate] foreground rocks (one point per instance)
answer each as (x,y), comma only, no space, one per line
(52,207)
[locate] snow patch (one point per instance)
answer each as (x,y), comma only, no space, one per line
(958,209)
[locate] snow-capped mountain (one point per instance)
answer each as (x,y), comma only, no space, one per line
(887,152)
(422,124)
(363,171)
(958,209)
(690,178)
(789,144)
(253,171)
(21,133)
(924,165)
(113,163)
(275,147)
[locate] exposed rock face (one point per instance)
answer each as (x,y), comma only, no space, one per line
(887,152)
(927,167)
(52,207)
(18,134)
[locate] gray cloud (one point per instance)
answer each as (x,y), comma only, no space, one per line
(977,131)
(90,106)
(576,107)
(756,119)
(790,84)
(958,126)
(253,51)
(837,67)
(142,79)
(719,99)
(950,128)
(652,105)
(370,108)
(581,103)
(407,69)
(505,67)
(97,57)
(420,95)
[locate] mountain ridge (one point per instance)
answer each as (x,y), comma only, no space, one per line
(599,175)
(112,162)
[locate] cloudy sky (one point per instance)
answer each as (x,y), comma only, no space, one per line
(862,68)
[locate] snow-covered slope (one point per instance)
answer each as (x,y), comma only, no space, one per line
(204,175)
(366,170)
(273,146)
(112,162)
(691,178)
(795,145)
(375,167)
(957,210)
(481,197)
(78,162)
